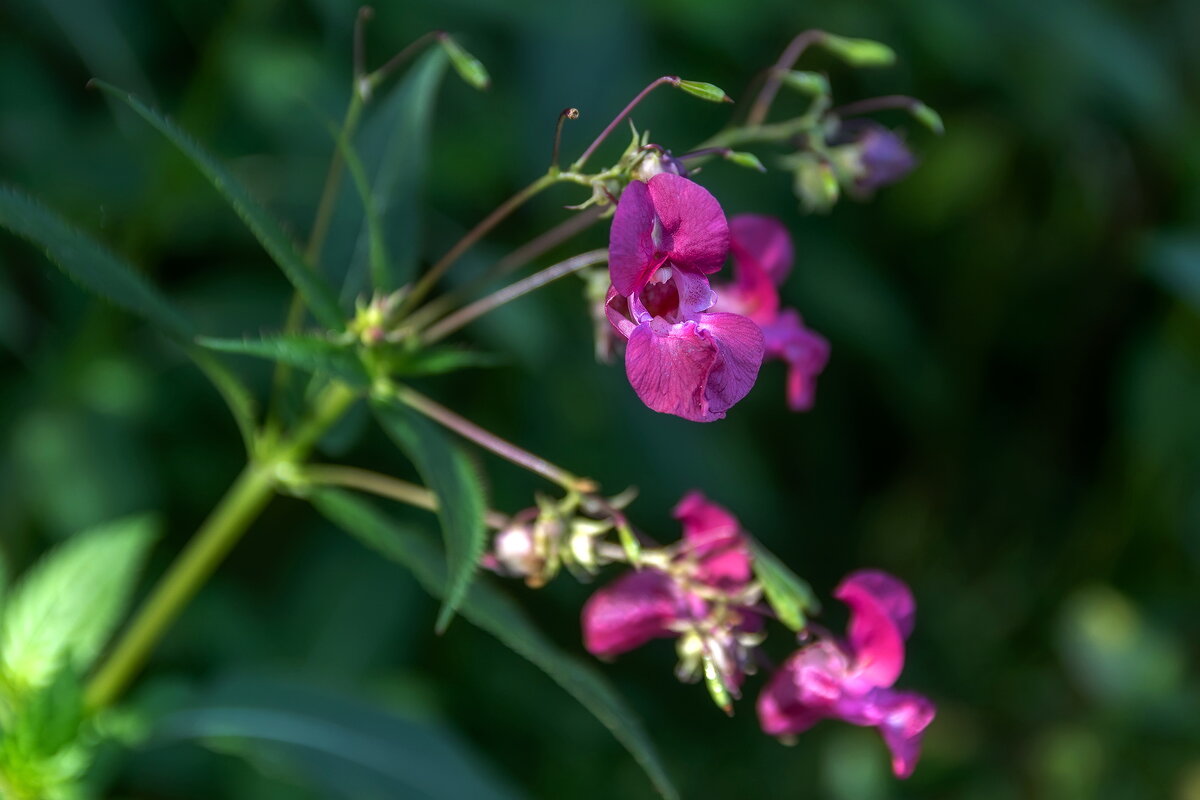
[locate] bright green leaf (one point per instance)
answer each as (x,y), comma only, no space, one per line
(316,293)
(496,613)
(790,596)
(64,608)
(310,353)
(859,52)
(446,470)
(87,261)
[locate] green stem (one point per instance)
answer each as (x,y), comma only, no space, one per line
(382,485)
(240,506)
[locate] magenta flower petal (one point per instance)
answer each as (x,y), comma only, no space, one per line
(805,690)
(760,244)
(695,370)
(616,308)
(806,352)
(632,254)
(669,220)
(715,537)
(694,231)
(879,605)
(630,611)
(905,717)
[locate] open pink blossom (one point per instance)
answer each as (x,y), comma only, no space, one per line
(652,603)
(852,680)
(667,235)
(762,259)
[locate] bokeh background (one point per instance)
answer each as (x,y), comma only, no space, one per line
(1010,420)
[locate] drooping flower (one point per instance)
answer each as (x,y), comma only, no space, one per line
(852,680)
(875,155)
(667,235)
(762,259)
(701,596)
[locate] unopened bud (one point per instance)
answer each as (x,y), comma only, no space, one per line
(928,117)
(816,185)
(859,52)
(469,68)
(813,84)
(705,91)
(748,160)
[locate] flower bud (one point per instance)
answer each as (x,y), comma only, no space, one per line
(654,161)
(859,52)
(815,184)
(469,68)
(705,91)
(516,551)
(882,158)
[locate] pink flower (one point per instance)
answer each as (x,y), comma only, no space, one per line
(697,595)
(762,259)
(667,235)
(852,681)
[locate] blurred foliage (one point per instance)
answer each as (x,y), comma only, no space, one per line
(1009,420)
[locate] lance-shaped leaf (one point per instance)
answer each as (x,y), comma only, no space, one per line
(495,612)
(438,361)
(394,148)
(315,354)
(790,596)
(88,262)
(316,293)
(446,470)
(64,608)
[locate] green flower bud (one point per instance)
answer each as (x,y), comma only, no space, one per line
(466,65)
(748,160)
(813,84)
(705,91)
(859,52)
(816,185)
(928,117)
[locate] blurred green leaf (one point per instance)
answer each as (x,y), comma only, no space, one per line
(1173,259)
(40,757)
(439,360)
(87,261)
(316,354)
(497,614)
(394,147)
(64,608)
(331,742)
(790,596)
(461,504)
(376,246)
(315,291)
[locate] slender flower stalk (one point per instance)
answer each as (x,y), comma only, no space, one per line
(469,313)
(787,59)
(489,441)
(371,81)
(564,115)
(560,233)
(384,486)
(238,509)
(671,79)
(427,281)
(873,104)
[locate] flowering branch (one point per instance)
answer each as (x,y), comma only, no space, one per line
(787,59)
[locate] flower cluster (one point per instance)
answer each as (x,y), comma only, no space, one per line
(705,592)
(692,351)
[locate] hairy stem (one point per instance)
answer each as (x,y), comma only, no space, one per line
(787,60)
(240,506)
(382,485)
(489,441)
(469,313)
(427,281)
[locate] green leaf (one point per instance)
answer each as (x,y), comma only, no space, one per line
(468,67)
(316,293)
(439,360)
(495,612)
(394,146)
(64,608)
(310,353)
(790,596)
(859,52)
(444,468)
(238,398)
(331,742)
(42,754)
(705,91)
(376,246)
(88,262)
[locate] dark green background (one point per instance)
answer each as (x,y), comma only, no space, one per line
(1010,420)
